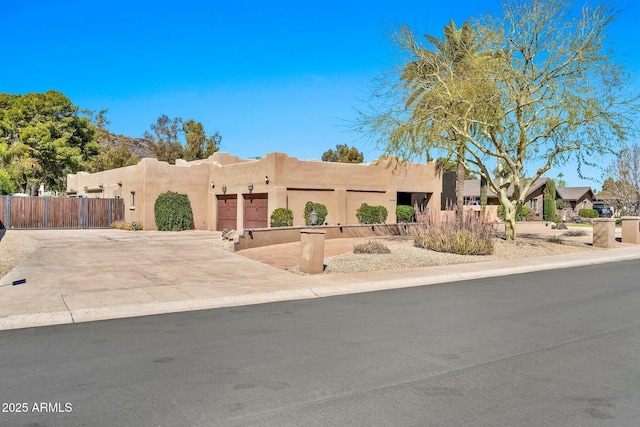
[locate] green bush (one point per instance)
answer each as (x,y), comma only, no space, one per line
(321,210)
(173,212)
(588,213)
(471,236)
(6,185)
(282,217)
(371,247)
(520,216)
(404,213)
(559,204)
(371,214)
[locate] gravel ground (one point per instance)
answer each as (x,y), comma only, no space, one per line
(405,255)
(14,247)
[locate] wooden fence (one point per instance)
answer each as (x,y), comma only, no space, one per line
(52,212)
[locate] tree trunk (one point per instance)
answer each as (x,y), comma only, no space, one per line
(460,183)
(483,197)
(510,223)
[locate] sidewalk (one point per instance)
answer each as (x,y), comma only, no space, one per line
(86,275)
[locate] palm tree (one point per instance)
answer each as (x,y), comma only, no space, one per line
(454,55)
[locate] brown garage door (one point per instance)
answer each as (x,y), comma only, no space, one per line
(255,211)
(227,213)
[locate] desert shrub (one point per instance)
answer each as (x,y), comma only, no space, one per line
(371,214)
(123,225)
(523,215)
(574,233)
(555,239)
(371,247)
(588,213)
(321,210)
(471,236)
(282,217)
(404,213)
(173,212)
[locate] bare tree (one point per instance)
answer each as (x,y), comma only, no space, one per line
(549,92)
(623,182)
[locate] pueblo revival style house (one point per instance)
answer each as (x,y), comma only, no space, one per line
(227,192)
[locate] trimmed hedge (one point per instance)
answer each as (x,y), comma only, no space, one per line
(588,213)
(173,212)
(404,213)
(371,214)
(282,217)
(321,210)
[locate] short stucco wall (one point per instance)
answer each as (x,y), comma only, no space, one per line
(259,237)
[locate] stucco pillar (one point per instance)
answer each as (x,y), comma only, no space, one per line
(277,199)
(240,212)
(340,195)
(604,232)
(631,229)
(312,251)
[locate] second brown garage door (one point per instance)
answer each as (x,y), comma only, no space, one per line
(255,211)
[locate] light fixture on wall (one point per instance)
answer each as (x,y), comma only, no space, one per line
(313,218)
(213,184)
(250,187)
(224,188)
(266,179)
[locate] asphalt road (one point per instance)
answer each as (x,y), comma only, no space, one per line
(554,348)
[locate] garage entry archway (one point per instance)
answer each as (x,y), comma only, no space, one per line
(256,210)
(227,212)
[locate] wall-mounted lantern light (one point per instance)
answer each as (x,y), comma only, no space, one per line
(313,218)
(224,188)
(213,184)
(266,179)
(250,187)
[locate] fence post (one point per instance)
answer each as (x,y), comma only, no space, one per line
(82,212)
(8,211)
(46,212)
(109,213)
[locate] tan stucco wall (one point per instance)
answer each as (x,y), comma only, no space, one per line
(148,179)
(291,184)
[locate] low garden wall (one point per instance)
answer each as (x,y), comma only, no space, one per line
(259,237)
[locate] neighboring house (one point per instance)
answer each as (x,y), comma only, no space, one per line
(533,200)
(227,192)
(574,198)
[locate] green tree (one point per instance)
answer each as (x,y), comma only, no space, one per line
(445,164)
(561,182)
(45,139)
(198,144)
(549,202)
(114,152)
(343,154)
(164,140)
(431,86)
(550,92)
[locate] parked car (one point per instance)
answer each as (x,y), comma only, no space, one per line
(604,211)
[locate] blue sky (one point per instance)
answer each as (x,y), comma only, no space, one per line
(282,76)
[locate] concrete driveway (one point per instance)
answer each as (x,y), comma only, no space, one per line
(85,275)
